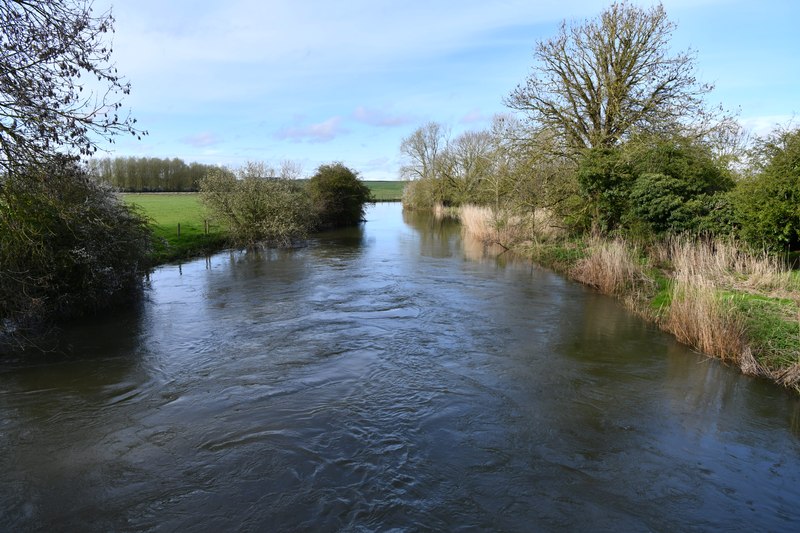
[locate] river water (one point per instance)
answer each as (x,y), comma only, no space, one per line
(389,377)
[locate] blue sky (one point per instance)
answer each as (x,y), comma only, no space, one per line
(315,81)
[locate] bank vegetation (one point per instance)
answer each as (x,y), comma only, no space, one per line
(615,171)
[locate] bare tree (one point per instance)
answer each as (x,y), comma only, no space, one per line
(466,163)
(422,151)
(58,89)
(597,81)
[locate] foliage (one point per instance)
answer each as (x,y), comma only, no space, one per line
(149,174)
(767,203)
(337,195)
(46,47)
(69,245)
(258,208)
(605,179)
(597,82)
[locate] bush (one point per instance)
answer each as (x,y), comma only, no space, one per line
(605,179)
(258,209)
(69,246)
(338,196)
(767,204)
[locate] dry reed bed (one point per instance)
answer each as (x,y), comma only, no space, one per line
(704,278)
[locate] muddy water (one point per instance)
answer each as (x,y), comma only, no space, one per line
(391,376)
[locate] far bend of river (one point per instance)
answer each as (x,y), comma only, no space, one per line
(389,377)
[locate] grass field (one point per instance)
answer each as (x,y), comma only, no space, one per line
(166,210)
(386,191)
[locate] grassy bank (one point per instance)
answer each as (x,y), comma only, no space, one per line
(712,295)
(199,232)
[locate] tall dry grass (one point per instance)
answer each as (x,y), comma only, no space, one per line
(723,264)
(504,227)
(705,320)
(491,226)
(701,314)
(613,267)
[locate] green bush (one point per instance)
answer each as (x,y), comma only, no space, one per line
(338,196)
(605,179)
(69,246)
(258,209)
(767,204)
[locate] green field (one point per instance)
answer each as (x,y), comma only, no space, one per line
(385,191)
(166,211)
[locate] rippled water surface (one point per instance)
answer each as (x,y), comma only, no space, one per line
(388,377)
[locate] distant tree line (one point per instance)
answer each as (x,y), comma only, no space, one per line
(150,174)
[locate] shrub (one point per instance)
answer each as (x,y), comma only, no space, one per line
(69,246)
(338,196)
(768,203)
(418,194)
(258,209)
(605,179)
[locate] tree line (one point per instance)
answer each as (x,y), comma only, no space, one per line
(612,134)
(150,174)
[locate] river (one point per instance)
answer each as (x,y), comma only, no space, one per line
(388,377)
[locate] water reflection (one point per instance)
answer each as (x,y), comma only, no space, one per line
(394,375)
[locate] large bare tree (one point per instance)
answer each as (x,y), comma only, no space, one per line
(597,81)
(58,88)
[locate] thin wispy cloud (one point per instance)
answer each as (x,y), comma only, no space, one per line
(473,117)
(204,139)
(324,131)
(375,117)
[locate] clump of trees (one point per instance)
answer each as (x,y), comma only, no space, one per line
(262,206)
(69,247)
(149,174)
(337,196)
(257,206)
(613,135)
(767,200)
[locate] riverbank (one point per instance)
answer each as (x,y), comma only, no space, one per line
(714,297)
(182,228)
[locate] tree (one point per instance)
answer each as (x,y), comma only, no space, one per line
(257,207)
(422,151)
(466,164)
(767,203)
(338,196)
(50,51)
(69,247)
(596,82)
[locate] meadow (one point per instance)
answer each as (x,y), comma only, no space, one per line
(199,232)
(386,191)
(166,212)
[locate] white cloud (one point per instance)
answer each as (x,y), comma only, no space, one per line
(473,116)
(202,140)
(764,125)
(374,117)
(320,132)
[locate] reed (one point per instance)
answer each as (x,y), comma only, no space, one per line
(726,265)
(501,226)
(613,267)
(703,318)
